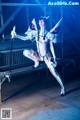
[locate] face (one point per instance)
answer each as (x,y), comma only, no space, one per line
(41,23)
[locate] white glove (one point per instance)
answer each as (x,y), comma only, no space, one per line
(13,33)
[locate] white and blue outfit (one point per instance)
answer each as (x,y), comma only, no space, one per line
(42,38)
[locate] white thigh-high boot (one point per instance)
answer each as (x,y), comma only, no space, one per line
(29,54)
(57,76)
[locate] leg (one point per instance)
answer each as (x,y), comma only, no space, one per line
(51,67)
(32,55)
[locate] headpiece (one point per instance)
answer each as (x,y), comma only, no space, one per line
(44,18)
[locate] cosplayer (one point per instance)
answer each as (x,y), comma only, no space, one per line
(42,38)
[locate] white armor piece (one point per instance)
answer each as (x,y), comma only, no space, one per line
(42,54)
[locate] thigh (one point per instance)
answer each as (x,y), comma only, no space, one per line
(27,52)
(46,60)
(31,54)
(36,55)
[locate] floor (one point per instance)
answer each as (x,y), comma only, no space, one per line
(42,100)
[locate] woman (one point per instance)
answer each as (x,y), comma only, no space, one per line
(42,38)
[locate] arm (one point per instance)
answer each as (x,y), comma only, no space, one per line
(52,50)
(30,34)
(51,38)
(23,37)
(53,53)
